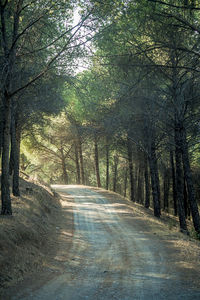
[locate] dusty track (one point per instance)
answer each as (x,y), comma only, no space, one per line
(114,255)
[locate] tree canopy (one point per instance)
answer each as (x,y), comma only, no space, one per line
(129,122)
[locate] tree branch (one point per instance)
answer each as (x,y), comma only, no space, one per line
(183,21)
(175,6)
(64,48)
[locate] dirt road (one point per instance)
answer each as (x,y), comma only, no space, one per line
(115,255)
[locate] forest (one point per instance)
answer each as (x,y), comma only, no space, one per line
(103,93)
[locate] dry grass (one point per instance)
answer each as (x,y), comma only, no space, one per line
(24,236)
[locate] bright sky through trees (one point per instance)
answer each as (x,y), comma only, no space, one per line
(80,64)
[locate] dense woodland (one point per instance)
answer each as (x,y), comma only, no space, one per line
(110,99)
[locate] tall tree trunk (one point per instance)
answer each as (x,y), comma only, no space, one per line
(17,165)
(107,166)
(64,168)
(166,185)
(130,164)
(78,174)
(186,202)
(125,180)
(15,150)
(96,157)
(135,179)
(179,175)
(81,160)
(65,175)
(155,184)
(116,159)
(9,56)
(5,184)
(1,127)
(173,182)
(185,197)
(13,140)
(140,192)
(147,190)
(189,182)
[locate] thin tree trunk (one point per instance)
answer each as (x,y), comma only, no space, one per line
(125,180)
(130,163)
(96,156)
(189,182)
(166,185)
(81,160)
(173,182)
(137,170)
(116,159)
(16,138)
(64,168)
(1,127)
(5,184)
(13,140)
(135,180)
(140,193)
(147,189)
(155,184)
(78,175)
(107,166)
(185,196)
(179,176)
(65,176)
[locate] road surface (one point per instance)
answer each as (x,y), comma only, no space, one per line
(114,256)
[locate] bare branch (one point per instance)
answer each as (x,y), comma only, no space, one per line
(181,20)
(64,48)
(53,42)
(25,29)
(175,6)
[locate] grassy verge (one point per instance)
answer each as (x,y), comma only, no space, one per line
(24,236)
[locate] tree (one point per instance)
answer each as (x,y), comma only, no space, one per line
(54,143)
(159,32)
(25,28)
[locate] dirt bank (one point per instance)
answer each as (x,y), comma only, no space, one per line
(26,237)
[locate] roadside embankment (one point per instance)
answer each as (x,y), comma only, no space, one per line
(24,236)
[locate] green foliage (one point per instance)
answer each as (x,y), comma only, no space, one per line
(143,77)
(48,147)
